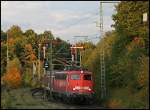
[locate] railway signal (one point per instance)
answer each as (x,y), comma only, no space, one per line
(46,64)
(39,62)
(48,44)
(74,53)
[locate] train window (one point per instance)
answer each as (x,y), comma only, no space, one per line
(60,76)
(75,77)
(87,77)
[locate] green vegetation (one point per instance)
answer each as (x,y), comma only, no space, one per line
(23,52)
(126,56)
(24,46)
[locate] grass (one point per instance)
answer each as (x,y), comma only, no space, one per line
(6,99)
(22,99)
(123,98)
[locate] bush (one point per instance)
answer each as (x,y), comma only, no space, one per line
(12,78)
(114,103)
(6,102)
(143,76)
(27,77)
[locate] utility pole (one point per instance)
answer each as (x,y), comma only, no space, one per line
(51,68)
(75,48)
(39,62)
(80,58)
(73,54)
(7,50)
(102,58)
(49,44)
(44,57)
(76,55)
(102,54)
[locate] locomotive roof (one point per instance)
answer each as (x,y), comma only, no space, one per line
(70,67)
(72,72)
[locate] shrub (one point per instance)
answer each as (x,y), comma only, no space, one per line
(12,78)
(114,103)
(27,77)
(143,76)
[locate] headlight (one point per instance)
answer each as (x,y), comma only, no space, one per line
(87,88)
(82,88)
(77,88)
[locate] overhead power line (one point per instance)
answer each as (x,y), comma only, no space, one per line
(80,20)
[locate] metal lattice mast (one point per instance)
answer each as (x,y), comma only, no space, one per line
(102,57)
(102,52)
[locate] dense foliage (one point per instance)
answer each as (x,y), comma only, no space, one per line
(126,58)
(24,46)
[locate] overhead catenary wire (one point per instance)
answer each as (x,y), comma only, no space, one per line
(80,20)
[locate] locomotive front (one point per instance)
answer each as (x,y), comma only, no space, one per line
(81,84)
(74,85)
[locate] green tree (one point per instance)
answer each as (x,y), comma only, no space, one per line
(14,32)
(48,35)
(32,38)
(3,36)
(3,58)
(129,20)
(29,32)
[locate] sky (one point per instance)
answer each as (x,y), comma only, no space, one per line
(65,19)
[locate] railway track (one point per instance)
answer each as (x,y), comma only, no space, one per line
(23,99)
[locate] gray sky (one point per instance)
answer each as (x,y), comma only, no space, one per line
(64,18)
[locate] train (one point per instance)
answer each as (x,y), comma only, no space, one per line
(73,84)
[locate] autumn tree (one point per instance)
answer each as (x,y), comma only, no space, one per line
(12,78)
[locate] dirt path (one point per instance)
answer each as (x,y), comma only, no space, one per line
(22,99)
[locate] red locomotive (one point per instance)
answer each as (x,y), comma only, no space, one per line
(70,84)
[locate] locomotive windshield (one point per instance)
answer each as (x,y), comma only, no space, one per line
(75,77)
(60,76)
(87,77)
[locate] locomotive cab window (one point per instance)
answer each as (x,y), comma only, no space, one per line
(75,77)
(60,76)
(87,77)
